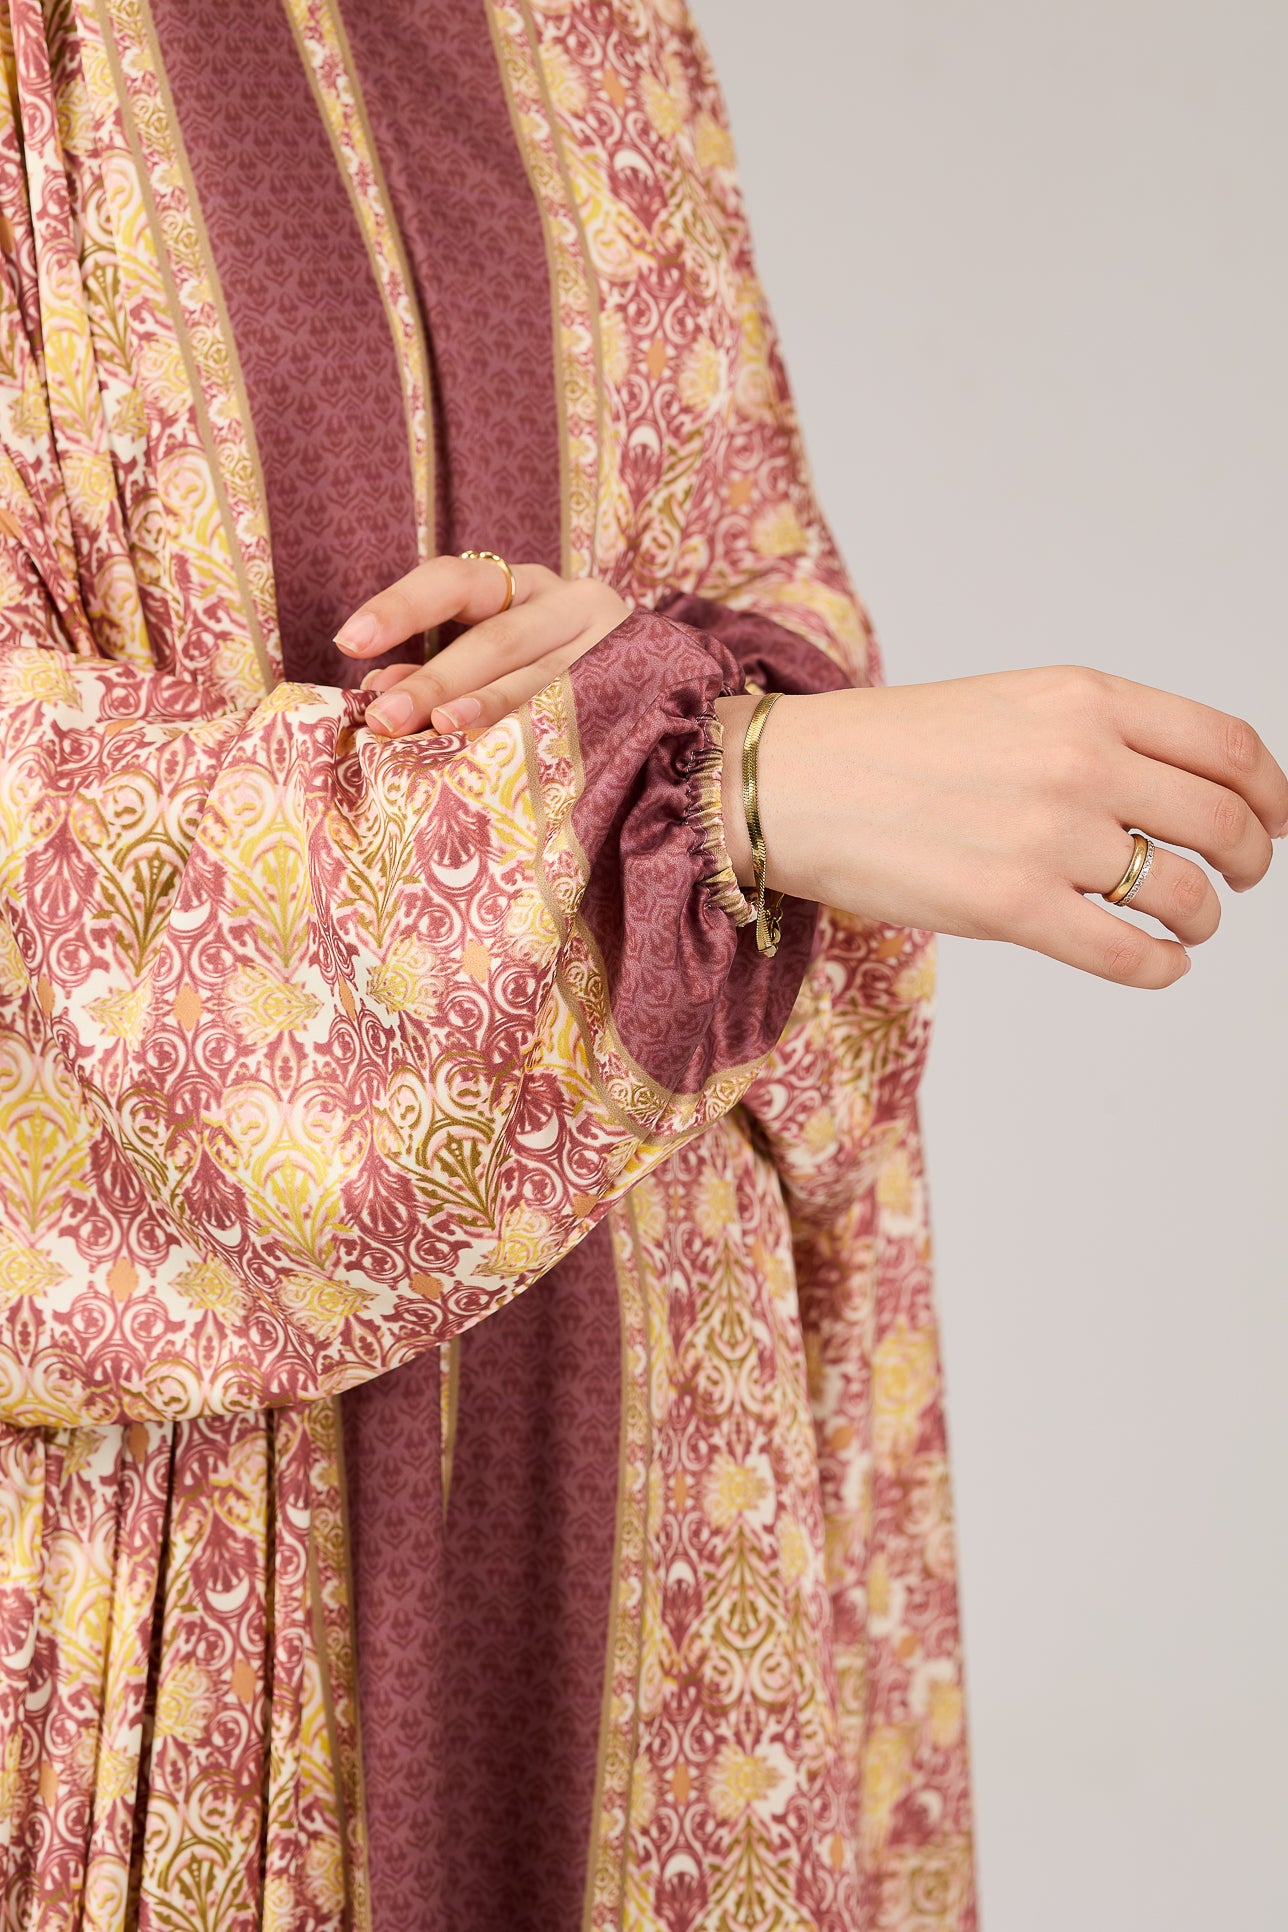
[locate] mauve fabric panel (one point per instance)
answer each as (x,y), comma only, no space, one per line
(531,1537)
(312,337)
(481,1651)
(473,232)
(481,1705)
(393,1476)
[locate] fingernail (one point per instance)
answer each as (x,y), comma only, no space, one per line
(359,634)
(391,715)
(1186,967)
(458,714)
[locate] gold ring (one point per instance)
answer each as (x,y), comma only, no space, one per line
(1142,857)
(490,556)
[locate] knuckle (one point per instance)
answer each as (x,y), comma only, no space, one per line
(1189,893)
(1008,904)
(1074,765)
(398,607)
(425,689)
(1125,958)
(505,632)
(1229,821)
(1242,746)
(1077,686)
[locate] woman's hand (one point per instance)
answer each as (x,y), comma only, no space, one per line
(989,806)
(502,661)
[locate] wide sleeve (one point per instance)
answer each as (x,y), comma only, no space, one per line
(315,1049)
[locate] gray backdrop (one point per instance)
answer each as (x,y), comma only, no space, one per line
(1029,265)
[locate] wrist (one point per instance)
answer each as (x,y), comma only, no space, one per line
(782,781)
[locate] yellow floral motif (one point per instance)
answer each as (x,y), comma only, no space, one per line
(124,1015)
(11,1779)
(531,925)
(643,1791)
(712,144)
(323,1305)
(740,1779)
(819,1132)
(117,1773)
(732,1488)
(82,1445)
(614,345)
(566,82)
(904,1382)
(523,1242)
(324,1876)
(717,1205)
(895,1186)
(879,1587)
(25,1270)
(702,374)
(946,1714)
(186,1702)
(664,107)
(411,978)
(212,1285)
(262,1005)
(280,1913)
(793,1550)
(917,982)
(886,1765)
(41,675)
(778,532)
(13,967)
(248,1464)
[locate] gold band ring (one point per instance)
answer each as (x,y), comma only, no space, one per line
(490,556)
(1142,857)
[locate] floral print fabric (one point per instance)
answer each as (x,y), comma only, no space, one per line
(310,1057)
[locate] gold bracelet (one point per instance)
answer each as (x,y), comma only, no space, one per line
(768,905)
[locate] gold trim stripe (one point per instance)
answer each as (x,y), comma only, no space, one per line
(170,252)
(607,1853)
(579,384)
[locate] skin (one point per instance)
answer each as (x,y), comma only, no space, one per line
(985,806)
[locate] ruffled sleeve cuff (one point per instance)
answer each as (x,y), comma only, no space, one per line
(706,816)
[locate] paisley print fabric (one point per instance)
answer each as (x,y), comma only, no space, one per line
(316,1051)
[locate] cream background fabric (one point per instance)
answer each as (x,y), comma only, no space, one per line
(1030,271)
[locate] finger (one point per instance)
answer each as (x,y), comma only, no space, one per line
(505,643)
(1180,894)
(1095,941)
(386,676)
(446,587)
(579,612)
(496,700)
(1207,818)
(1211,744)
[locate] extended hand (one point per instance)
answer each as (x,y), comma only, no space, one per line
(502,661)
(989,806)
